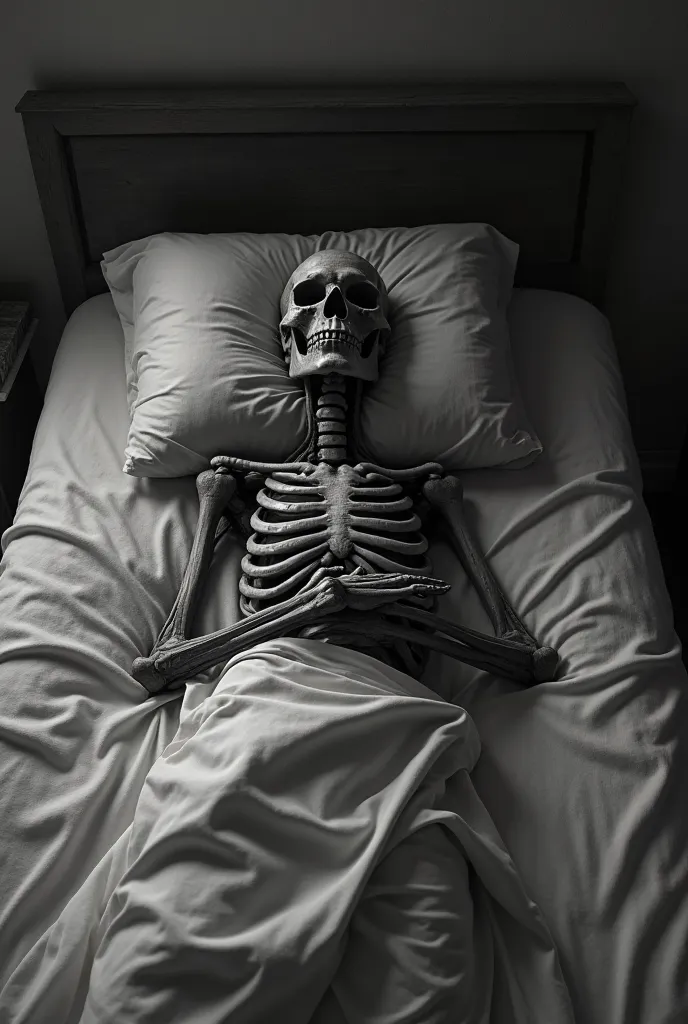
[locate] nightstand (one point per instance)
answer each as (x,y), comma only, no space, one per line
(20,407)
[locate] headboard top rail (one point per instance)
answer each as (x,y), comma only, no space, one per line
(466,94)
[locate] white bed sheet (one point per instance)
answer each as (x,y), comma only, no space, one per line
(583,776)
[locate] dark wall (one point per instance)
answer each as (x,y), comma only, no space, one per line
(70,43)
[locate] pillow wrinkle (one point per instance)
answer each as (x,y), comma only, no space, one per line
(205,366)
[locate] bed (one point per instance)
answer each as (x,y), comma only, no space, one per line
(582,777)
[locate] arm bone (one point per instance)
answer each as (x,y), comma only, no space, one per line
(446,496)
(188,658)
(215,490)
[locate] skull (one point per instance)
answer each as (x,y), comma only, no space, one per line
(334,316)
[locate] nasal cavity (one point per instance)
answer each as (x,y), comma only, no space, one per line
(335,305)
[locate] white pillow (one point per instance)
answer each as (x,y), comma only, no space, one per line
(205,369)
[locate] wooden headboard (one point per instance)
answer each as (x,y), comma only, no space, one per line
(541,162)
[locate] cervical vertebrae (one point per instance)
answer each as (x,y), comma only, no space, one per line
(331,417)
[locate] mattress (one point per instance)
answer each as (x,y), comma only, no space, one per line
(580,776)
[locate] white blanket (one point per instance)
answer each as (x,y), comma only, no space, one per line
(313,821)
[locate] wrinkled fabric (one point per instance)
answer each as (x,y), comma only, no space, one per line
(306,772)
(582,778)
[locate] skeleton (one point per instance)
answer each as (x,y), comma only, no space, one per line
(334,543)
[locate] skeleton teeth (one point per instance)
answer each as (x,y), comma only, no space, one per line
(342,338)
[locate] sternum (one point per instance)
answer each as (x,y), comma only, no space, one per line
(331,419)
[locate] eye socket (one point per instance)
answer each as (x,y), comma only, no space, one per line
(309,293)
(363,295)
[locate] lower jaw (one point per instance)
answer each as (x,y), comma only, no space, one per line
(321,362)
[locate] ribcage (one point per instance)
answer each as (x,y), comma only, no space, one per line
(332,516)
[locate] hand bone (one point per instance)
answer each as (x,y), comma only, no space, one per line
(365,591)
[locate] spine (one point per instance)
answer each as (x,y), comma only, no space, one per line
(331,416)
